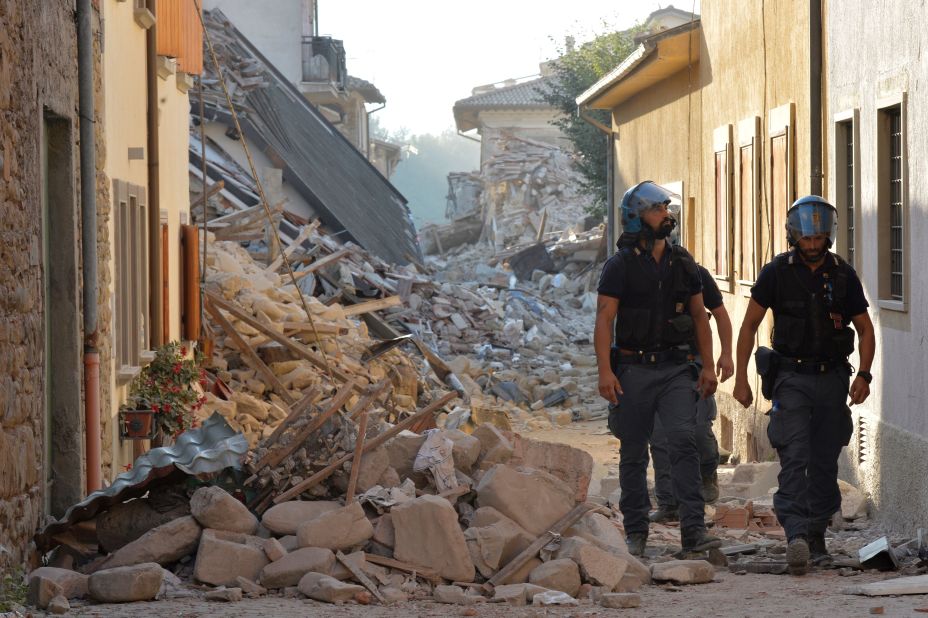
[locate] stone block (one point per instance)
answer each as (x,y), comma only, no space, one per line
(752,480)
(492,547)
(597,567)
(250,587)
(216,509)
(340,572)
(123,523)
(495,447)
(383,531)
(853,501)
(343,528)
(599,530)
(620,600)
(139,582)
(466,449)
(291,568)
(428,534)
(533,499)
(572,465)
(517,595)
(165,544)
(41,591)
(227,595)
(223,556)
(402,451)
(59,605)
(286,517)
(73,584)
(373,466)
(324,588)
(452,595)
(273,549)
(562,575)
(683,572)
(628,583)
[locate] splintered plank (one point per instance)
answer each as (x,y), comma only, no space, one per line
(361,577)
(326,472)
(373,305)
(356,462)
(390,563)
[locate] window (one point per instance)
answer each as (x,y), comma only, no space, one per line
(782,191)
(847,184)
(891,208)
(131,277)
(723,205)
(748,220)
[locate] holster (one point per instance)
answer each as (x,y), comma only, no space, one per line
(767,362)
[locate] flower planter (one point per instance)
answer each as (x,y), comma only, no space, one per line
(137,424)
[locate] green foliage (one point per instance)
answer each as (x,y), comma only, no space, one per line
(13,589)
(575,71)
(167,386)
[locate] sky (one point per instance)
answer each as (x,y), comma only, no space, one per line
(424,55)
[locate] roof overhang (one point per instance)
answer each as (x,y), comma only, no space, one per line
(656,58)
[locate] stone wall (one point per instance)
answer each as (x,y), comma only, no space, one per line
(38,75)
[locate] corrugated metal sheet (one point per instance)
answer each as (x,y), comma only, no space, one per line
(340,184)
(208,449)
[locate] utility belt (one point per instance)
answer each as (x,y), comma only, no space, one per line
(770,363)
(678,355)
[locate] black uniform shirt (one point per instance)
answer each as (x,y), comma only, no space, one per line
(711,294)
(765,288)
(612,279)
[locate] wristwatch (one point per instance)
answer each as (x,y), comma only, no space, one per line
(866,375)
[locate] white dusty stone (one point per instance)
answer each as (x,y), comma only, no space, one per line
(291,568)
(453,595)
(428,534)
(139,582)
(533,499)
(402,451)
(73,584)
(285,518)
(229,595)
(597,566)
(466,449)
(853,501)
(683,571)
(494,446)
(491,547)
(59,605)
(215,508)
(324,588)
(223,556)
(620,600)
(273,549)
(517,595)
(250,587)
(344,528)
(562,575)
(165,544)
(41,591)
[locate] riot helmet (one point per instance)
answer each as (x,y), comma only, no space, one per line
(809,216)
(642,197)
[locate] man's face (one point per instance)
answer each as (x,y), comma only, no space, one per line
(658,218)
(812,248)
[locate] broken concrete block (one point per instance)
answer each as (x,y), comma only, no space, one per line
(494,446)
(629,583)
(273,549)
(291,568)
(517,595)
(216,509)
(620,600)
(286,517)
(492,547)
(466,449)
(228,595)
(597,567)
(344,528)
(597,529)
(393,595)
(139,582)
(383,531)
(752,480)
(373,466)
(328,589)
(853,501)
(533,499)
(250,588)
(124,522)
(390,478)
(165,544)
(452,595)
(428,534)
(403,450)
(562,575)
(683,571)
(73,584)
(572,465)
(41,591)
(223,556)
(59,605)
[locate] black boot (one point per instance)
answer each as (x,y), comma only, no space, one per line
(665,514)
(818,551)
(697,540)
(636,542)
(797,555)
(710,487)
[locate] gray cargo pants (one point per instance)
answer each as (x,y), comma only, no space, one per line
(706,444)
(668,391)
(809,425)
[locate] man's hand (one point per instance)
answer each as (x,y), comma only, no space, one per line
(860,390)
(725,368)
(743,393)
(707,382)
(609,387)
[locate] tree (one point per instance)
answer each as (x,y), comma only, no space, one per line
(575,71)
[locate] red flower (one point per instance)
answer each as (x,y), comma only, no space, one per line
(177,367)
(167,407)
(127,467)
(154,407)
(183,350)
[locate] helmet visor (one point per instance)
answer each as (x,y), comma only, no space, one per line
(810,220)
(649,195)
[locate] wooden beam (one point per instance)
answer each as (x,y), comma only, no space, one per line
(326,472)
(250,353)
(356,462)
(361,577)
(323,261)
(423,572)
(373,305)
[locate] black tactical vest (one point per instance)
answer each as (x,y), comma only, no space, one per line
(808,324)
(652,311)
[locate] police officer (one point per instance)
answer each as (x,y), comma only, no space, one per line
(706,411)
(815,297)
(652,294)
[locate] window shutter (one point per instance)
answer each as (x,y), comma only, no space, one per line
(190,248)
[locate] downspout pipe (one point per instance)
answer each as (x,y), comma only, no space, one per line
(85,59)
(815,96)
(610,183)
(155,289)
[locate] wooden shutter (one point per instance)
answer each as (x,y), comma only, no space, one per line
(721,214)
(779,189)
(190,259)
(746,209)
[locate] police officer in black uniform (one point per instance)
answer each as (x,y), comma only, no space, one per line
(706,411)
(815,297)
(652,294)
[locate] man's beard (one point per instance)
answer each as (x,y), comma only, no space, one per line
(666,228)
(812,255)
